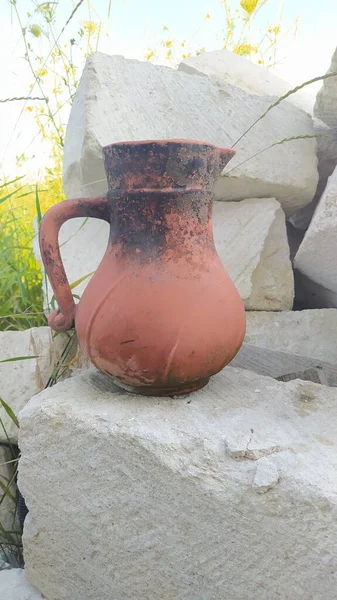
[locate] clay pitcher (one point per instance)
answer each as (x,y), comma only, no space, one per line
(160,315)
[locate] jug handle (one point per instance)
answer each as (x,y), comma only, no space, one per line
(98,208)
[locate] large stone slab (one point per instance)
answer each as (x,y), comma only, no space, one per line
(317,254)
(325,125)
(121,100)
(227,67)
(311,333)
(327,161)
(251,240)
(22,379)
(230,489)
(250,237)
(14,586)
(325,106)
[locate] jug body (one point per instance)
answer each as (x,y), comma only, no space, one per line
(160,315)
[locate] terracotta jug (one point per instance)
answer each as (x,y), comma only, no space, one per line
(160,315)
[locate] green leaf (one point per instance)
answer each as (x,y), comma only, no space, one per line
(10,182)
(10,412)
(38,206)
(6,491)
(23,195)
(9,195)
(75,233)
(18,358)
(72,286)
(78,281)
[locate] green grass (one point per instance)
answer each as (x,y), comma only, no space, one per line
(20,274)
(10,538)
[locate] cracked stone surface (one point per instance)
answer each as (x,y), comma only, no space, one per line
(230,489)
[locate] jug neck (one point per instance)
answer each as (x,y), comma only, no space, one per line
(151,224)
(161,197)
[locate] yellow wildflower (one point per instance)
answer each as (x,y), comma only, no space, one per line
(90,27)
(249,5)
(245,49)
(275,30)
(150,54)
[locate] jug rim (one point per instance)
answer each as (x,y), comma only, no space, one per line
(162,142)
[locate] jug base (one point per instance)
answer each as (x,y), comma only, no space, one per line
(163,391)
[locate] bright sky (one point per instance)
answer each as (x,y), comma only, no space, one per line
(136,25)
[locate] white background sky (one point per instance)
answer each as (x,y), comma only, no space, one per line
(136,25)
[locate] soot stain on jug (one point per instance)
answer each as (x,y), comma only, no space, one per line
(151,223)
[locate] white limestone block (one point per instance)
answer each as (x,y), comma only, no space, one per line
(311,333)
(251,240)
(226,67)
(22,379)
(325,106)
(327,160)
(124,100)
(134,497)
(317,255)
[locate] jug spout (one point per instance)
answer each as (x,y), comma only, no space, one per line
(225,155)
